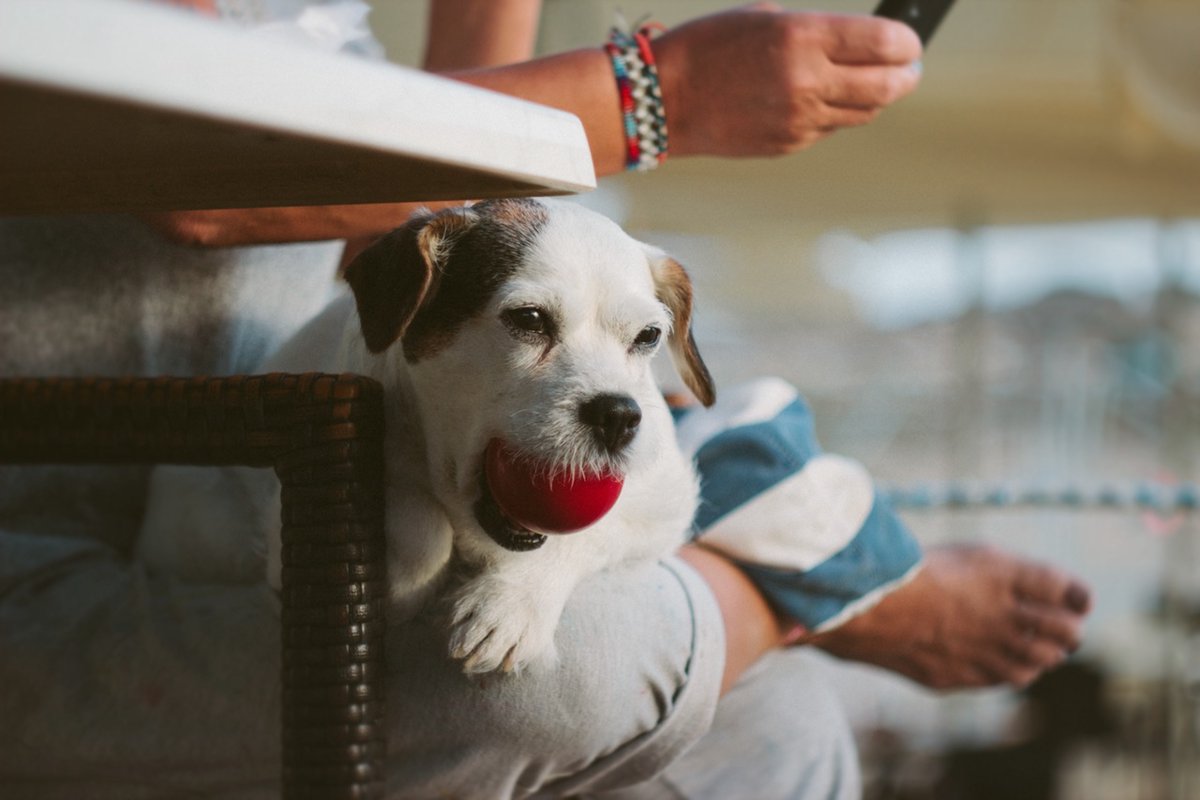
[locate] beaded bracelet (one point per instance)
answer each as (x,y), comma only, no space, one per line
(642,113)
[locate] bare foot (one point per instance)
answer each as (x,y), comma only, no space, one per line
(973,616)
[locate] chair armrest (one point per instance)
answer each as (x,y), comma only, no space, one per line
(323,435)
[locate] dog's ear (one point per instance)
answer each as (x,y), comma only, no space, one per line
(674,290)
(399,273)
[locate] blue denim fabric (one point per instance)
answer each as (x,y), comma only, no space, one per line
(739,464)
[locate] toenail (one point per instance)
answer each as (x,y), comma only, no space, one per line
(1078,598)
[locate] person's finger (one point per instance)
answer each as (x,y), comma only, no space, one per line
(812,133)
(870,40)
(836,117)
(870,87)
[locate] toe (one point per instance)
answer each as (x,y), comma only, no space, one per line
(1056,627)
(1079,597)
(1048,586)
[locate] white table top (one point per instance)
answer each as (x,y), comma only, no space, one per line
(121,106)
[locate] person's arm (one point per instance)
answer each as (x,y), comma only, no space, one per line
(754,81)
(785,513)
(752,629)
(236,227)
(462,34)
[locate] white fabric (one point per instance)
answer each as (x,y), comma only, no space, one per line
(785,730)
(801,521)
(743,404)
(868,600)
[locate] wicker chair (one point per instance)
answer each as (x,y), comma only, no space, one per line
(323,435)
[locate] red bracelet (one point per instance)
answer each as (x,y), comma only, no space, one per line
(643,117)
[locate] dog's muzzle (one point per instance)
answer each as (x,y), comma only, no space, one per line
(613,420)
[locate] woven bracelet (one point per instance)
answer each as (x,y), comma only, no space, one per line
(643,117)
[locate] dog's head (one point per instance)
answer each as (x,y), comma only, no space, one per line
(530,323)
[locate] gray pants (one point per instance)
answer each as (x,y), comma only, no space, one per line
(780,733)
(115,683)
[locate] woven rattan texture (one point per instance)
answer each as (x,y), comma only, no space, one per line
(323,435)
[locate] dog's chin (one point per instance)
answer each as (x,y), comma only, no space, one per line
(504,531)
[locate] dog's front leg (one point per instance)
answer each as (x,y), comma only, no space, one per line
(504,618)
(419,543)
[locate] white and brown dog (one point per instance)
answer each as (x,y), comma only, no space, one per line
(524,328)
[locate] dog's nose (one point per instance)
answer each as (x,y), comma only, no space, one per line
(613,418)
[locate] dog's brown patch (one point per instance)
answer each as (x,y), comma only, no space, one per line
(422,281)
(674,289)
(390,279)
(472,268)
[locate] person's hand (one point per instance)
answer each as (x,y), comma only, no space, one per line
(236,227)
(756,81)
(973,616)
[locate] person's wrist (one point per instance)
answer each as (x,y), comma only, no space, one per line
(670,54)
(643,118)
(759,619)
(792,632)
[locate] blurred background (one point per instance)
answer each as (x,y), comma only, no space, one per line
(994,285)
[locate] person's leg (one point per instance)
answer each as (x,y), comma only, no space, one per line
(779,733)
(827,551)
(807,527)
(120,683)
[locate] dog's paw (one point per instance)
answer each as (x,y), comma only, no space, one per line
(496,627)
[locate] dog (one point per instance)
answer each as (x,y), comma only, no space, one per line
(524,326)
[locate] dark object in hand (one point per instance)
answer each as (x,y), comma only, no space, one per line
(923,16)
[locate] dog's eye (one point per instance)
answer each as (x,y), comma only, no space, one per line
(648,337)
(528,319)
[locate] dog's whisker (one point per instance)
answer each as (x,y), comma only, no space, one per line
(522,411)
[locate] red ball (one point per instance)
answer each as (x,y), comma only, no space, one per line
(543,501)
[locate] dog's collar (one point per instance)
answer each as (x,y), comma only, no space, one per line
(503,531)
(518,541)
